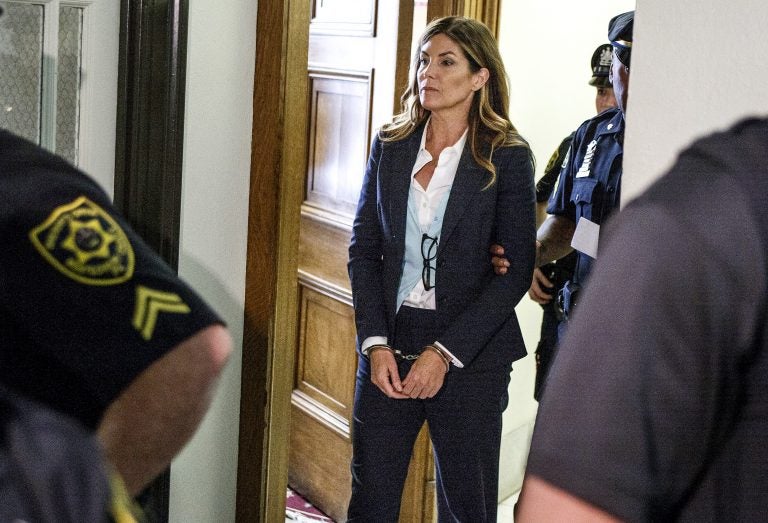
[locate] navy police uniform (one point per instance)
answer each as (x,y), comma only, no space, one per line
(85,305)
(546,184)
(590,184)
(558,272)
(561,271)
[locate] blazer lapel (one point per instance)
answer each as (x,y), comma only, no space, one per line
(402,156)
(469,180)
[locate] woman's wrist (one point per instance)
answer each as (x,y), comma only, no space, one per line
(378,346)
(441,354)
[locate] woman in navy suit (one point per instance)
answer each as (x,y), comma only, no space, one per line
(437,331)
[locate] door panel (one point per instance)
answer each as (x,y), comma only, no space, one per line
(325,374)
(322,399)
(328,246)
(354,46)
(339,130)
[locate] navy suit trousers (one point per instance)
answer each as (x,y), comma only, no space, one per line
(464,420)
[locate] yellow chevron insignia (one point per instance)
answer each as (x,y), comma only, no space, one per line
(149,304)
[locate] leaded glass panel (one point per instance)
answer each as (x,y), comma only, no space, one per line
(21,69)
(68,82)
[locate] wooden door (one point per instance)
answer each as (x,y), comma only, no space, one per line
(298,348)
(357,67)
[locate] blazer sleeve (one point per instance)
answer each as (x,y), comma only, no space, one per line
(515,230)
(365,264)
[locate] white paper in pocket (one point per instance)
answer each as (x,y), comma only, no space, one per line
(586,236)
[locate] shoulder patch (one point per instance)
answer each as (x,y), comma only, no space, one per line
(83,242)
(552,161)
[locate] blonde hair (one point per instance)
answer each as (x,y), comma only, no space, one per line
(489,125)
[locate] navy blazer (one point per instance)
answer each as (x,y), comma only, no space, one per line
(475,307)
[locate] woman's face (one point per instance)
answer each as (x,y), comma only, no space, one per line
(446,83)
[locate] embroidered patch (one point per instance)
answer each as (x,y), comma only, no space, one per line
(552,161)
(84,243)
(149,304)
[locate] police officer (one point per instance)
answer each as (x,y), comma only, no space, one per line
(92,323)
(550,278)
(601,70)
(590,181)
(604,99)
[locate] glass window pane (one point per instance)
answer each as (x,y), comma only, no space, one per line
(21,69)
(68,82)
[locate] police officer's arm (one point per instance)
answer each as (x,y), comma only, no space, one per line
(542,502)
(553,242)
(541,286)
(541,213)
(554,239)
(155,416)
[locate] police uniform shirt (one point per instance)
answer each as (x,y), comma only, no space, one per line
(546,184)
(560,271)
(85,305)
(590,183)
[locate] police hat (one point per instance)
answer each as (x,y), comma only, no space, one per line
(601,66)
(620,35)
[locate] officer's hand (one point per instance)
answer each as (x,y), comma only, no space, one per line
(384,373)
(426,376)
(500,263)
(541,288)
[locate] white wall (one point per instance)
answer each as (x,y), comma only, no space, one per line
(217,154)
(697,66)
(546,47)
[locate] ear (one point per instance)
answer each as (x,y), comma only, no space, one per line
(480,78)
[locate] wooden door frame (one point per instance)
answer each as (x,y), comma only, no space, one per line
(487,11)
(278,170)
